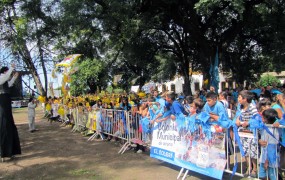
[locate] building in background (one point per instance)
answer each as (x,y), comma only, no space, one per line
(280,76)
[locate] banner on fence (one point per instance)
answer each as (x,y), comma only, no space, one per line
(190,150)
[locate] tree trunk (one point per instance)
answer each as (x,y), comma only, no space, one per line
(25,54)
(187,80)
(20,47)
(43,66)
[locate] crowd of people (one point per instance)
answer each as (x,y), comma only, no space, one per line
(239,105)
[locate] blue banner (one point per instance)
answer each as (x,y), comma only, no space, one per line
(192,150)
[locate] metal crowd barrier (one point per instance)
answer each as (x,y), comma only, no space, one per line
(126,126)
(237,159)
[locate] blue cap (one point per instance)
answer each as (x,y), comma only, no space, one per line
(181,97)
(256,91)
(276,91)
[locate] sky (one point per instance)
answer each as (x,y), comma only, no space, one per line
(6,59)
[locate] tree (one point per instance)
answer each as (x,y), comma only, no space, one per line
(143,38)
(268,80)
(193,30)
(25,31)
(91,74)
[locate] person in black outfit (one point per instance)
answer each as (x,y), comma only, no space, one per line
(9,138)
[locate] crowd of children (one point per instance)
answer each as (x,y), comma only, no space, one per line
(239,105)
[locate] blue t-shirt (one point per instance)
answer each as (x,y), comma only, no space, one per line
(277,106)
(203,98)
(161,101)
(235,96)
(176,108)
(217,109)
(124,107)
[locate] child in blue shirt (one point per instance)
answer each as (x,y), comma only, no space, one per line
(269,158)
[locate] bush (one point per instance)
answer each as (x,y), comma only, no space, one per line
(268,80)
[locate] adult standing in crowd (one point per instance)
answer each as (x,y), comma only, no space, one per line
(9,139)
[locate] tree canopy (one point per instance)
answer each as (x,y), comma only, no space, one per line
(144,40)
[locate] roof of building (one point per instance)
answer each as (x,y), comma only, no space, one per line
(281,74)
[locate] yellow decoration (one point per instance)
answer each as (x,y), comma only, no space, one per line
(132,103)
(41,99)
(65,78)
(141,94)
(94,123)
(80,99)
(132,96)
(106,100)
(70,105)
(117,105)
(48,107)
(61,111)
(69,60)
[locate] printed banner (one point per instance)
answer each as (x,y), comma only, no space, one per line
(194,150)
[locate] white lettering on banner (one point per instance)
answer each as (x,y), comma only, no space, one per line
(167,144)
(163,153)
(167,132)
(166,154)
(168,137)
(166,127)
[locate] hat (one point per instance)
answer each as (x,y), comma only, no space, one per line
(181,97)
(276,91)
(256,91)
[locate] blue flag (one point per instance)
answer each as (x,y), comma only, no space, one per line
(214,73)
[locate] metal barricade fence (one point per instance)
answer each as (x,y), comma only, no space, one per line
(109,122)
(236,164)
(240,161)
(95,124)
(126,126)
(66,117)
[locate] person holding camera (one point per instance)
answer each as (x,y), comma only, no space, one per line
(9,138)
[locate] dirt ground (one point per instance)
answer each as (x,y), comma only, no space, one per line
(54,152)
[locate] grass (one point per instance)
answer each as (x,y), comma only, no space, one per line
(84,172)
(79,172)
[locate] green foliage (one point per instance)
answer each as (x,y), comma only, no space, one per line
(150,39)
(118,91)
(21,26)
(109,89)
(166,69)
(268,80)
(87,78)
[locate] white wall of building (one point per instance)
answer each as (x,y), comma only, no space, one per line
(196,79)
(179,81)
